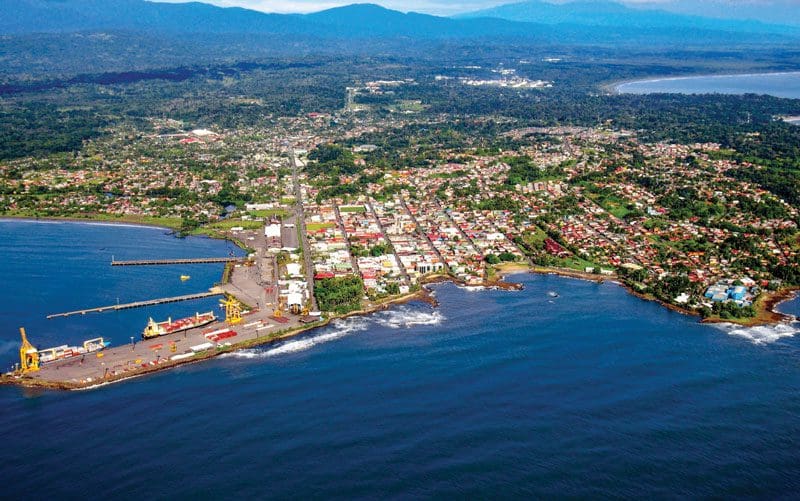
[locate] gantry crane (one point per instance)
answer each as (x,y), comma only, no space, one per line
(233,310)
(28,354)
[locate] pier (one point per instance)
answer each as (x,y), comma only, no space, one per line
(138,304)
(152,262)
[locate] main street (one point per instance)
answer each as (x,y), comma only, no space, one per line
(300,223)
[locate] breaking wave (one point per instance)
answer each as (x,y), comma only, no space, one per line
(763,334)
(405,317)
(342,328)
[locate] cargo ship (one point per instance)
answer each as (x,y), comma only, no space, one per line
(65,351)
(155,329)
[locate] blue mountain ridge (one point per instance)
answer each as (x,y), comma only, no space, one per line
(578,22)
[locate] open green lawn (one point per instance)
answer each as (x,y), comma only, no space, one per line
(408,105)
(576,263)
(613,204)
(535,239)
(166,222)
(318,226)
(281,213)
(233,223)
(353,208)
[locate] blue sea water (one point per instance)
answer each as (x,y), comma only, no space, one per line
(493,394)
(775,84)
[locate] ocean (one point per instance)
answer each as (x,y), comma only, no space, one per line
(493,394)
(776,84)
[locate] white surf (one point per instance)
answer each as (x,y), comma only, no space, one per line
(763,334)
(342,328)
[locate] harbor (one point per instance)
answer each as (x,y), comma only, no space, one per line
(252,311)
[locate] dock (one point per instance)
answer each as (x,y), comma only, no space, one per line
(138,304)
(152,262)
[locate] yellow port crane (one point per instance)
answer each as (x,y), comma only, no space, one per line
(233,310)
(28,354)
(278,312)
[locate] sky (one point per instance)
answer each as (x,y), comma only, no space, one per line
(438,7)
(754,9)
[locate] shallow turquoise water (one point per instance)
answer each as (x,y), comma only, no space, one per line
(494,394)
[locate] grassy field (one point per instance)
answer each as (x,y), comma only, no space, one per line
(535,239)
(318,226)
(576,263)
(281,213)
(233,223)
(613,204)
(353,208)
(408,105)
(166,222)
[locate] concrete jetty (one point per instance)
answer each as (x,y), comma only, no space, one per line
(152,262)
(139,304)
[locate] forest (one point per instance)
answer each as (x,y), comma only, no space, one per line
(49,113)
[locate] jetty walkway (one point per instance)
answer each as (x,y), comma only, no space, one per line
(151,262)
(139,304)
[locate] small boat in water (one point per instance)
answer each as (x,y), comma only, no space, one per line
(552,294)
(185,278)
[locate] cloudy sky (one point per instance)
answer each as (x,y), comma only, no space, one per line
(440,7)
(783,11)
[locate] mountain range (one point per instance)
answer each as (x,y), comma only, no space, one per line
(534,20)
(612,14)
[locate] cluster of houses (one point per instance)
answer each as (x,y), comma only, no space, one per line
(375,259)
(415,253)
(454,247)
(742,291)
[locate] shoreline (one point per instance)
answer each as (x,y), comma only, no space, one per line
(613,87)
(767,313)
(121,221)
(22,381)
(769,305)
(766,307)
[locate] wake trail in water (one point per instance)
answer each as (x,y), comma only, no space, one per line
(762,334)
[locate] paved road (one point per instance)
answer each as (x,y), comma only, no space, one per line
(340,222)
(301,226)
(403,271)
(425,235)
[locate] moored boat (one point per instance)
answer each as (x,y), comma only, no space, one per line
(169,326)
(65,351)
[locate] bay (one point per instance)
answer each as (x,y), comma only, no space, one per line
(785,85)
(493,394)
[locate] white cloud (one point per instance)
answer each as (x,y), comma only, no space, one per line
(445,7)
(439,7)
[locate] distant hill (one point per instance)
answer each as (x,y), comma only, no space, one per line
(786,12)
(606,23)
(35,16)
(614,14)
(373,20)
